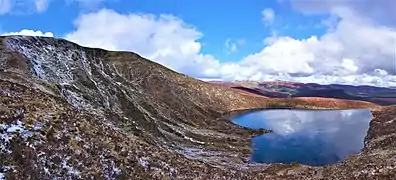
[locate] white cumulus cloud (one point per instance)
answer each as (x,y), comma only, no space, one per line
(382,11)
(353,48)
(353,51)
(27,32)
(356,49)
(164,38)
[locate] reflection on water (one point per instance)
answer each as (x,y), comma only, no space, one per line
(311,137)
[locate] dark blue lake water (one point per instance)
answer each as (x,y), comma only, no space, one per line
(311,137)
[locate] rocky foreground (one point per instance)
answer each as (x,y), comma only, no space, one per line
(71,112)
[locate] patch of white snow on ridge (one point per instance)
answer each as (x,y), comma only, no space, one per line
(47,62)
(13,128)
(55,61)
(16,128)
(193,140)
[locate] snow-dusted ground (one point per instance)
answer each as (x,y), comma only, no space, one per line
(59,65)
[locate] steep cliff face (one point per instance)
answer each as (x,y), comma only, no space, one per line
(76,112)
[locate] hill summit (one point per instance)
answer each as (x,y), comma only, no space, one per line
(73,112)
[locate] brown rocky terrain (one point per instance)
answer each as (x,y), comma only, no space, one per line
(71,112)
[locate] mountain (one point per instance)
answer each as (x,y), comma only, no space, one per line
(377,95)
(71,112)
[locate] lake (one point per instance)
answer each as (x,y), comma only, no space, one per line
(310,137)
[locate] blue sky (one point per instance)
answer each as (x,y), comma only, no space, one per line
(219,20)
(326,41)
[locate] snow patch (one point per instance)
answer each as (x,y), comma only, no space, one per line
(53,63)
(116,170)
(193,140)
(70,169)
(78,138)
(143,162)
(9,131)
(16,128)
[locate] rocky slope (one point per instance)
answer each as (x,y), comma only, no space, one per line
(72,112)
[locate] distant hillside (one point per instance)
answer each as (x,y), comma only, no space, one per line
(329,93)
(378,95)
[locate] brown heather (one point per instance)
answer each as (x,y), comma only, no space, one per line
(87,113)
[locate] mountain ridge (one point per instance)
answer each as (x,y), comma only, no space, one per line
(378,95)
(129,116)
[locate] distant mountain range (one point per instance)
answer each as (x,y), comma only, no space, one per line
(378,95)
